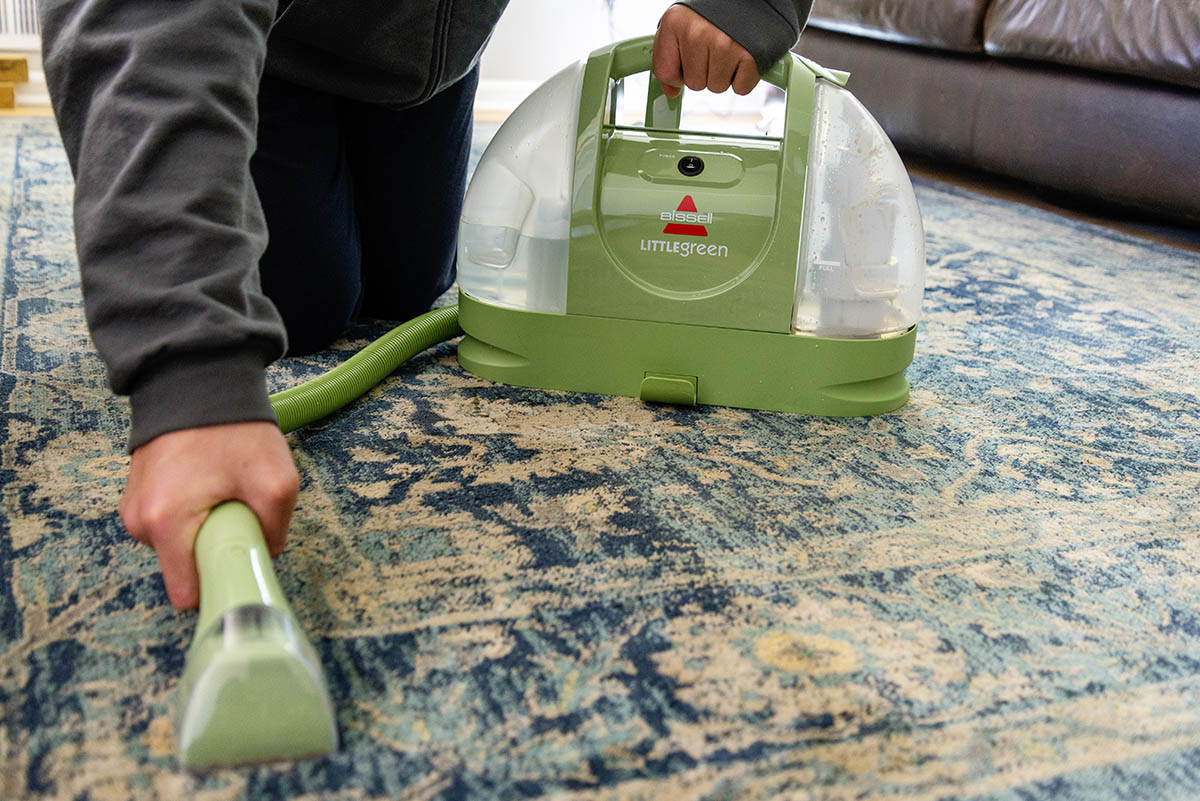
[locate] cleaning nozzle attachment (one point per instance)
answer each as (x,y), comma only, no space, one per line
(252,687)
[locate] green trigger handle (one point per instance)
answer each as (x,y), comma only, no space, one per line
(234,564)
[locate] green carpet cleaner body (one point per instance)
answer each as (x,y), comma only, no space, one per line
(765,272)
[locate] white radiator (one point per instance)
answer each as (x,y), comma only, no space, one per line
(18,19)
(19,33)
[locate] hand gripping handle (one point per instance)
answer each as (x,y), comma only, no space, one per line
(792,73)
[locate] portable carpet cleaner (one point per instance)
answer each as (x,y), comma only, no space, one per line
(788,276)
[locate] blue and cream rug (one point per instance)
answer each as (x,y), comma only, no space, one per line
(993,593)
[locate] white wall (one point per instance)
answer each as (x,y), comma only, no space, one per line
(537,38)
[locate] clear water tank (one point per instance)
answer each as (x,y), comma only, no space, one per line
(516,221)
(861,255)
(862,252)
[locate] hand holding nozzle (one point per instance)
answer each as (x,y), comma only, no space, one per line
(176,478)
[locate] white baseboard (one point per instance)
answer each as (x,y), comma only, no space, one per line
(34,92)
(29,43)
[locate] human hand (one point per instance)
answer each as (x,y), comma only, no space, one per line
(176,478)
(691,51)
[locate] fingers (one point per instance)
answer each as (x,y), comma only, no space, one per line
(171,531)
(273,498)
(177,478)
(177,561)
(721,66)
(691,51)
(746,76)
(668,67)
(695,66)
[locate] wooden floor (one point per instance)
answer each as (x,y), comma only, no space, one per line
(27,111)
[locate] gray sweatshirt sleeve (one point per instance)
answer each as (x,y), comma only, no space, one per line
(156,104)
(766,28)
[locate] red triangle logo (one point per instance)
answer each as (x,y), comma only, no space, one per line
(686,229)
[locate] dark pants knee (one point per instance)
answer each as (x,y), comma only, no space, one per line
(411,170)
(362,204)
(311,267)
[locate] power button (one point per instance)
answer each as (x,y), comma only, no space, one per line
(691,166)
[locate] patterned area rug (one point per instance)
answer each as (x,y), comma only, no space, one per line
(989,594)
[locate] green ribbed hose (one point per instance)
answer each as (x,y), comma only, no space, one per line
(351,379)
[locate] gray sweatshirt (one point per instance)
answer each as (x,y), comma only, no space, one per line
(156,104)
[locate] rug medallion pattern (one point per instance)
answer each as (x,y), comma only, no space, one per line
(991,593)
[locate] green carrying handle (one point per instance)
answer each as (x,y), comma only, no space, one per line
(234,564)
(634,56)
(637,55)
(664,113)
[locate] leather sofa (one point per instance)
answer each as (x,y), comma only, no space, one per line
(1097,99)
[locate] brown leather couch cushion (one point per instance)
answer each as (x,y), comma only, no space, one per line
(1157,39)
(1118,140)
(942,24)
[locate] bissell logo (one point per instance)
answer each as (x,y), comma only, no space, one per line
(686,220)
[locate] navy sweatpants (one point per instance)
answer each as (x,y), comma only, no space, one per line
(362,204)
